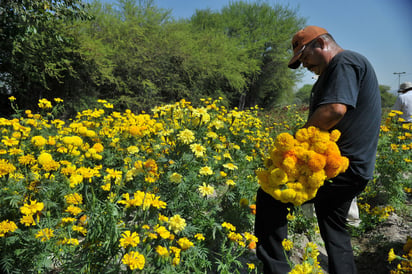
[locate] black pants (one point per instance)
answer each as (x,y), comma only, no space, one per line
(332,204)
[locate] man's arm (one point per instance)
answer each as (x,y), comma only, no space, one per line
(326,116)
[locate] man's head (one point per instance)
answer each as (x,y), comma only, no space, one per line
(405,87)
(313,47)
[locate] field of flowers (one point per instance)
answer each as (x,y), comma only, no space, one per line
(168,192)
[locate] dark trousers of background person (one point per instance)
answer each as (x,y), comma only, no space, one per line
(332,204)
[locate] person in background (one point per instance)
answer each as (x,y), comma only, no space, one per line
(404,101)
(345,97)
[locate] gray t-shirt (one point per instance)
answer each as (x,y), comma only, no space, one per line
(350,79)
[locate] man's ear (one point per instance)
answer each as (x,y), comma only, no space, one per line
(321,42)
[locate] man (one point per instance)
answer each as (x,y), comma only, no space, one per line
(404,101)
(346,97)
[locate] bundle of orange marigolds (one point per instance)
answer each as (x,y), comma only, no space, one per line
(298,166)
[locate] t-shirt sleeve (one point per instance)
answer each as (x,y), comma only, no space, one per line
(342,85)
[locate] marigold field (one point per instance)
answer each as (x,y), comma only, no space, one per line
(172,191)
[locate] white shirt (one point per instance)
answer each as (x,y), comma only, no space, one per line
(404,103)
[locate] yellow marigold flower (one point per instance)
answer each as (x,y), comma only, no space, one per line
(385,128)
(250,237)
(251,265)
(45,234)
(44,103)
(162,251)
(302,135)
(230,182)
(74,199)
(106,187)
(212,135)
(98,147)
(80,229)
(177,223)
(230,166)
(206,190)
(156,203)
(199,237)
(58,100)
(289,165)
(44,158)
(9,141)
(175,178)
(129,238)
(12,98)
(75,179)
(186,136)
(163,232)
(70,241)
(334,135)
(38,141)
(287,195)
(15,151)
(205,171)
(198,150)
(287,244)
(316,179)
(7,226)
(176,260)
(229,226)
(278,177)
(184,243)
(290,217)
(152,235)
(163,218)
(391,255)
(32,208)
(134,260)
(132,149)
(27,220)
(284,141)
(74,210)
(236,237)
(68,220)
(6,167)
(304,268)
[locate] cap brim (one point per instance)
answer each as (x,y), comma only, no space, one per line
(294,63)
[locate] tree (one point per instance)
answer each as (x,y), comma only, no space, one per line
(37,47)
(264,32)
(388,99)
(303,94)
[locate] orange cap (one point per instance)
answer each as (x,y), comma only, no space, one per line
(301,38)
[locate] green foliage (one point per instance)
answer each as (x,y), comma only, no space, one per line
(303,95)
(393,163)
(38,48)
(138,55)
(263,32)
(388,99)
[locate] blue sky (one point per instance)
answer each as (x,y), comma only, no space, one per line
(379,29)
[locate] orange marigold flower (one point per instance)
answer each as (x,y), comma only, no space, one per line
(317,162)
(252,245)
(253,209)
